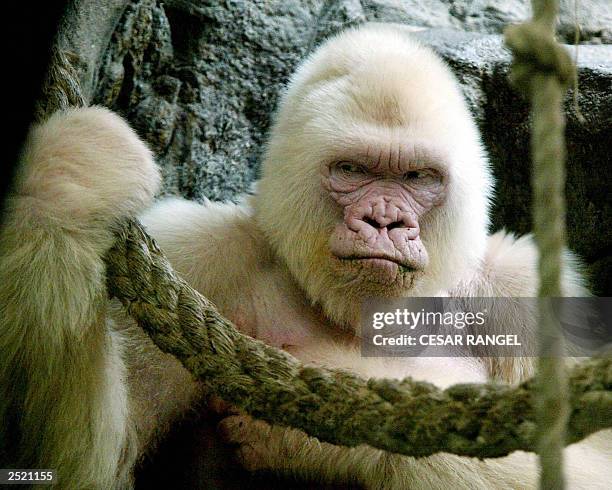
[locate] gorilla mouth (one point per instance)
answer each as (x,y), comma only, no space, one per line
(382,261)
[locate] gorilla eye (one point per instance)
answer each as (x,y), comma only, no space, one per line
(350,168)
(416,175)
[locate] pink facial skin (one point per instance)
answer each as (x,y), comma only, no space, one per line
(383,199)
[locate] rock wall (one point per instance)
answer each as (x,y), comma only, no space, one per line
(199,80)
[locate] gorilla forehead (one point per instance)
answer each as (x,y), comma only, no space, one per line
(381,85)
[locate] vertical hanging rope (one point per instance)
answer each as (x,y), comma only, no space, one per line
(543,70)
(61,88)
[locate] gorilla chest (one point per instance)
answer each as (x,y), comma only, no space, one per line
(277,312)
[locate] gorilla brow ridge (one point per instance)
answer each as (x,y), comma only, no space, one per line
(411,156)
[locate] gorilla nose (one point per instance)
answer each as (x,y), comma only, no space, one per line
(406,226)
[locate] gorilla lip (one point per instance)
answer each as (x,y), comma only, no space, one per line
(381,261)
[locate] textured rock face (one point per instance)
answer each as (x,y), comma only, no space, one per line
(200,79)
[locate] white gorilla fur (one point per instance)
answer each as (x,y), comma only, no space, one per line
(83,390)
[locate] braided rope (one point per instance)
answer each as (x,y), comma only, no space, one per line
(408,417)
(544,70)
(61,88)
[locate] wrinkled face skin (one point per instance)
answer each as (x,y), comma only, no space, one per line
(384,196)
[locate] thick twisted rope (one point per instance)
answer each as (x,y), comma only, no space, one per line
(61,88)
(408,417)
(544,70)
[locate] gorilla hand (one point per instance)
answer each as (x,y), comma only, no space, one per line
(257,444)
(261,447)
(83,169)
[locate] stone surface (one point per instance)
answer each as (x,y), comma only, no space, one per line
(594,18)
(86,30)
(199,80)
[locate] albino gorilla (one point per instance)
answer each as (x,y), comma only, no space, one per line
(375,183)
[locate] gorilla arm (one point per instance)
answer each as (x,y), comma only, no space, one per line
(82,389)
(65,396)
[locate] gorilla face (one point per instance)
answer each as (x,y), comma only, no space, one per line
(383,196)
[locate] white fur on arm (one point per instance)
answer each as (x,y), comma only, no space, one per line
(509,270)
(63,398)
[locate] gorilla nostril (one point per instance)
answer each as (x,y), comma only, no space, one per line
(378,226)
(372,222)
(396,224)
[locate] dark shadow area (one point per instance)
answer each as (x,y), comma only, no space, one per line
(192,456)
(29,31)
